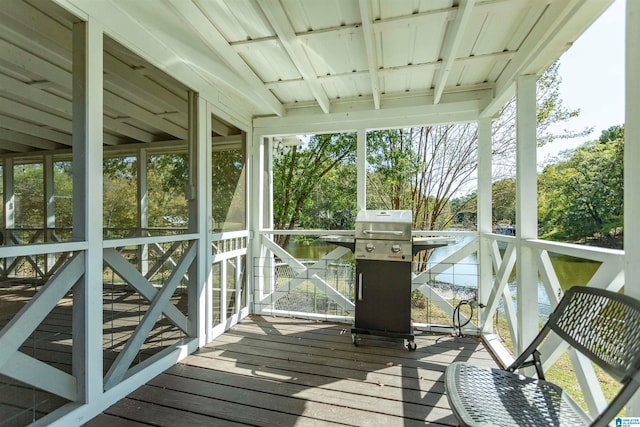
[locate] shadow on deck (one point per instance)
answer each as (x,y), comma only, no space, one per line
(284,372)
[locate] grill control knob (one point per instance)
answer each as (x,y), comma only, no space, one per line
(370,247)
(395,249)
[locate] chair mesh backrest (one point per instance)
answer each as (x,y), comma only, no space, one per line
(604,325)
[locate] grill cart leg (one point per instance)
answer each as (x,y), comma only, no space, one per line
(411,345)
(354,338)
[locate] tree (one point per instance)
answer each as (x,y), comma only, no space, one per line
(581,196)
(300,170)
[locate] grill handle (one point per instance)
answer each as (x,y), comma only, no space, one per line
(360,287)
(388,232)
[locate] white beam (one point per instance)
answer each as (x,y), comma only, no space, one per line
(49,204)
(28,140)
(361,157)
(420,67)
(202,24)
(484,222)
(87,206)
(277,17)
(451,45)
(9,198)
(370,46)
(35,130)
(350,119)
(143,206)
(631,161)
(526,210)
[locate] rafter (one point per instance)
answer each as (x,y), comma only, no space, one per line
(451,45)
(555,17)
(420,67)
(203,26)
(370,46)
(7,135)
(277,17)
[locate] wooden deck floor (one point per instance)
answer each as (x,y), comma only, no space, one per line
(285,372)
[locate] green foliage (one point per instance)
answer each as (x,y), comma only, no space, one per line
(29,195)
(504,201)
(307,177)
(581,196)
(119,193)
(394,161)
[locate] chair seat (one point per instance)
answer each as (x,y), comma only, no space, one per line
(482,396)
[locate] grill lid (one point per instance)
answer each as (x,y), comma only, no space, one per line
(384,225)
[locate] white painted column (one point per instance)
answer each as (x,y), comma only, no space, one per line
(485,222)
(256,200)
(208,254)
(9,201)
(49,205)
(526,210)
(361,157)
(631,170)
(143,206)
(87,206)
(199,145)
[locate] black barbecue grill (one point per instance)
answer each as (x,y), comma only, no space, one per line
(384,249)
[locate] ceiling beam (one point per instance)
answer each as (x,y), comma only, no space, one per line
(203,26)
(393,22)
(398,112)
(27,141)
(371,50)
(420,67)
(451,45)
(277,17)
(35,130)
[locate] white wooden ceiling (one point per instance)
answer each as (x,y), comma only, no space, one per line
(288,65)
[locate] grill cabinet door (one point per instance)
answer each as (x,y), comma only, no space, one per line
(383,296)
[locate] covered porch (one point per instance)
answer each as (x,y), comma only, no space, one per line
(96,318)
(286,371)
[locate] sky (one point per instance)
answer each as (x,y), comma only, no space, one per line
(592,73)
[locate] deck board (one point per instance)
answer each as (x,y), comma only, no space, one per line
(281,371)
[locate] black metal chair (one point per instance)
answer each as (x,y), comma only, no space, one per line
(602,325)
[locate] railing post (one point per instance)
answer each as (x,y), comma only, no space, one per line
(526,211)
(631,171)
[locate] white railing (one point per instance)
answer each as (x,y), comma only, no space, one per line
(228,298)
(309,288)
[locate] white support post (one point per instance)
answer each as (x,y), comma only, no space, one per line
(631,170)
(361,157)
(49,206)
(199,146)
(143,207)
(485,223)
(9,201)
(526,210)
(207,255)
(87,206)
(260,214)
